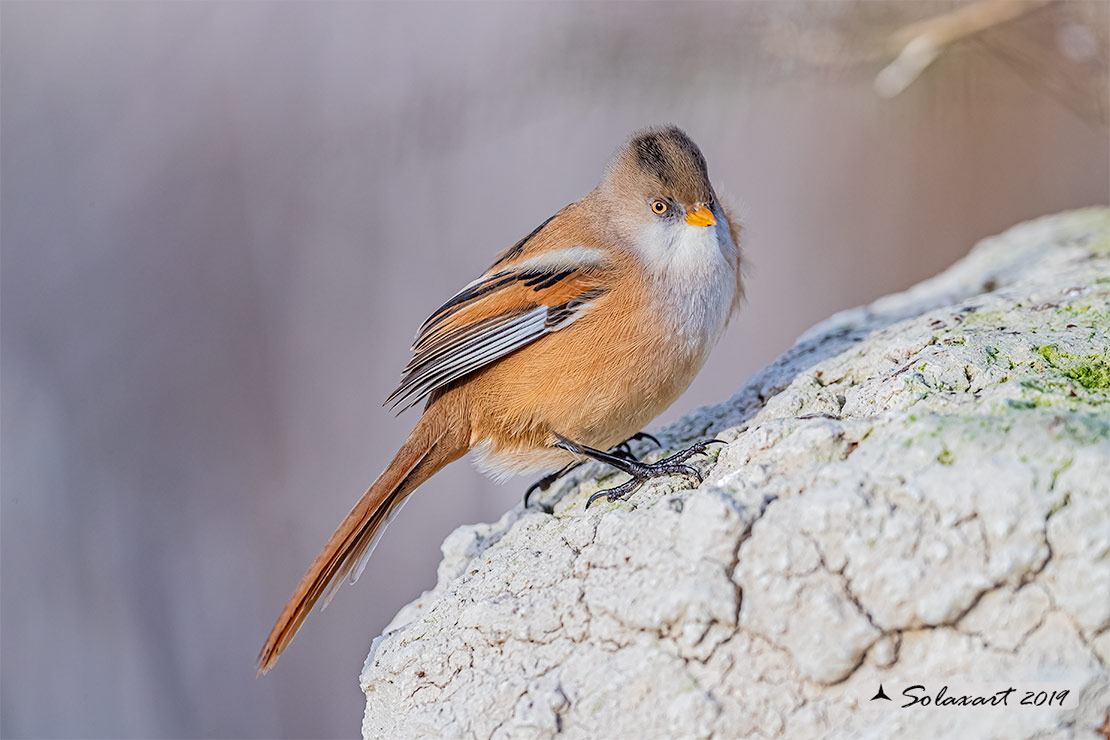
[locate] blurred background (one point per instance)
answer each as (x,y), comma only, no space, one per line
(222,223)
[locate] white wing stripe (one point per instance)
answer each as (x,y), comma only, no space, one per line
(458,371)
(446,355)
(448,343)
(560,259)
(508,332)
(479,351)
(478,355)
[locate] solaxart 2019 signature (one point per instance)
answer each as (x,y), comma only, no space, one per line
(918,695)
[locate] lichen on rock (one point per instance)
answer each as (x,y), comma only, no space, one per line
(918,492)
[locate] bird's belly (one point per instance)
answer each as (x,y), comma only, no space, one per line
(595,389)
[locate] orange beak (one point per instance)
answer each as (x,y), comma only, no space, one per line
(700,216)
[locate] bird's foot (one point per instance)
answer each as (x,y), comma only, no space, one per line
(622,450)
(642,472)
(546,481)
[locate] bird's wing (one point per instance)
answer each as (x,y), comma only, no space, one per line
(520,299)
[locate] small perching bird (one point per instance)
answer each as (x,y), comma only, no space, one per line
(574,339)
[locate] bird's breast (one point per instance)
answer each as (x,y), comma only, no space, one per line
(693,284)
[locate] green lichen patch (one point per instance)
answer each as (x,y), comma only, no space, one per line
(986,318)
(1092,372)
(1093,375)
(1086,314)
(1051,353)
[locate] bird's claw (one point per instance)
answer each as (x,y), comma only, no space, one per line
(645,471)
(695,449)
(622,450)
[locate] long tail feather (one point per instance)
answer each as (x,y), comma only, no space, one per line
(432,445)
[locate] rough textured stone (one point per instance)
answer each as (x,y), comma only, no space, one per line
(918,492)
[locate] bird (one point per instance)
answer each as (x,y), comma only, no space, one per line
(573,340)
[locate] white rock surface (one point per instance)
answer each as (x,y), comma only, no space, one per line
(917,493)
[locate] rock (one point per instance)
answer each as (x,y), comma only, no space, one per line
(916,494)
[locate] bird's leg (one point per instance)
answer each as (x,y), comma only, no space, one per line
(640,471)
(621,449)
(548,479)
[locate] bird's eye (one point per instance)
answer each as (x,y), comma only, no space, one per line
(659,207)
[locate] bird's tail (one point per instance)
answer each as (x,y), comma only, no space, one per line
(435,442)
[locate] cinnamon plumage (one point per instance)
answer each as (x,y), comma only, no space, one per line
(573,340)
